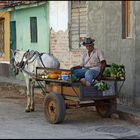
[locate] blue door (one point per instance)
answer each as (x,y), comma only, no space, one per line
(12,37)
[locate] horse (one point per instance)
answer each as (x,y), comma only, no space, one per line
(26,62)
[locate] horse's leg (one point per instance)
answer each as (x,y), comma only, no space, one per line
(32,96)
(28,84)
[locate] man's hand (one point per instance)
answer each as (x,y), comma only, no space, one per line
(76,67)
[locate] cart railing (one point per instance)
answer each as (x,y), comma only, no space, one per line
(39,78)
(71,71)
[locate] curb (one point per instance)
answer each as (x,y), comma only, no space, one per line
(129,114)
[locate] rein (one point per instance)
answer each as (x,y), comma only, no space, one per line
(20,64)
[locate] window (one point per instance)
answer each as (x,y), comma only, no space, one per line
(78,21)
(126,19)
(33,29)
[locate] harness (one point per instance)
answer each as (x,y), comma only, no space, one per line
(29,55)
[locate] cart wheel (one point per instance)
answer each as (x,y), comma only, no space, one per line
(106,107)
(54,108)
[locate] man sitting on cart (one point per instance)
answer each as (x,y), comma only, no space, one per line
(93,64)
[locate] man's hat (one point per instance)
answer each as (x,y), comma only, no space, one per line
(88,41)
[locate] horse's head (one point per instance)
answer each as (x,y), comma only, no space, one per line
(18,60)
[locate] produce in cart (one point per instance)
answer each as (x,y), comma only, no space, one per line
(65,75)
(101,85)
(115,71)
(74,79)
(55,74)
(51,74)
(45,74)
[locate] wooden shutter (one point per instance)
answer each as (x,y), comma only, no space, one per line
(129,18)
(33,29)
(126,19)
(78,23)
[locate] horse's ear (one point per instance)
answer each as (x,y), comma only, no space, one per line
(12,52)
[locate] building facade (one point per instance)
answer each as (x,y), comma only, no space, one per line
(115,27)
(25,26)
(113,24)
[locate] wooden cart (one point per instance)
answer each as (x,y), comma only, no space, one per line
(61,95)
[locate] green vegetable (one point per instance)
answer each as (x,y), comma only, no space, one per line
(106,72)
(115,71)
(102,86)
(73,79)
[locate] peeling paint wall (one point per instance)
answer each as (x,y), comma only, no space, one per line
(59,43)
(59,15)
(59,38)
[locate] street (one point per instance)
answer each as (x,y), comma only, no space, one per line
(81,123)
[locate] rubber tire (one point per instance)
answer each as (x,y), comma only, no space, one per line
(106,107)
(60,109)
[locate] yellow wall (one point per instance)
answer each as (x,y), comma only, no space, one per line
(6,16)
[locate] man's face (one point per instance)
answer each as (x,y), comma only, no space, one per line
(90,47)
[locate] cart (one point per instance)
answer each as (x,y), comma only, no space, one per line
(62,94)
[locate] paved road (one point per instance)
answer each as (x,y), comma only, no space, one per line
(83,123)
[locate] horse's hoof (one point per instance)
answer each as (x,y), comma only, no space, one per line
(27,110)
(32,109)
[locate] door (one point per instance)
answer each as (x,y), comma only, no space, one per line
(12,37)
(1,37)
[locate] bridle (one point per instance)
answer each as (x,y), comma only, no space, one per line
(21,65)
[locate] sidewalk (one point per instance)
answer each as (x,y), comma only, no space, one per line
(126,113)
(4,80)
(130,114)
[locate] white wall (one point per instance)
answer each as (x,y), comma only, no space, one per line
(59,15)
